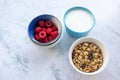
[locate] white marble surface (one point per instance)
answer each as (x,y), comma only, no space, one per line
(21,59)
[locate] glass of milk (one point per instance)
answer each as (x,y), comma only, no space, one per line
(79,21)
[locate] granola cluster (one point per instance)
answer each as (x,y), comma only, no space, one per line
(87,57)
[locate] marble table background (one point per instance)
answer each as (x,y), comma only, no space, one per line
(21,59)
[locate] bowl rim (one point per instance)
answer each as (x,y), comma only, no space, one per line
(104,62)
(48,43)
(79,8)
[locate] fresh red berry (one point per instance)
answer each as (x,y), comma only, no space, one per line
(54,34)
(37,29)
(37,37)
(46,39)
(44,29)
(41,40)
(54,28)
(48,23)
(42,34)
(41,23)
(49,30)
(50,38)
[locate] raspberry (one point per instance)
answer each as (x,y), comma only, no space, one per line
(54,34)
(54,28)
(44,29)
(37,29)
(37,37)
(46,39)
(49,30)
(48,23)
(41,40)
(42,34)
(50,38)
(41,23)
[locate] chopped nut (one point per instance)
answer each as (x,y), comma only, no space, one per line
(86,57)
(79,57)
(96,55)
(78,51)
(86,53)
(88,61)
(84,47)
(85,44)
(88,49)
(92,63)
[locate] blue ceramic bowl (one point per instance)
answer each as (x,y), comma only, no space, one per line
(76,34)
(32,26)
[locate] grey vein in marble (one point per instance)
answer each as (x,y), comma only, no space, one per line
(55,72)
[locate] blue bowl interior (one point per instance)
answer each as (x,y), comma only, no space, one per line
(33,24)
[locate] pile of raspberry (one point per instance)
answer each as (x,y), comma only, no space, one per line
(45,31)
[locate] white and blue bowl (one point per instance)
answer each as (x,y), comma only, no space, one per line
(76,34)
(99,44)
(56,22)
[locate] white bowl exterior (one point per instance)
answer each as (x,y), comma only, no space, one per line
(99,44)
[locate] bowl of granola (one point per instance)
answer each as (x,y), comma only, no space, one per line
(88,56)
